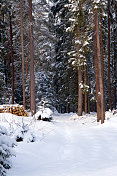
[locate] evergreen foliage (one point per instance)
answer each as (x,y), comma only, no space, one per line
(6,151)
(63,44)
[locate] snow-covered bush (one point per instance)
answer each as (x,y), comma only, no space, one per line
(44,114)
(23,133)
(6,150)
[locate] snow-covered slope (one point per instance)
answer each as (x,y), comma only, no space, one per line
(68,146)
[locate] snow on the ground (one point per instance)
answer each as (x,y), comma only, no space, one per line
(67,146)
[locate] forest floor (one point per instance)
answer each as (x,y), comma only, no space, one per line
(67,146)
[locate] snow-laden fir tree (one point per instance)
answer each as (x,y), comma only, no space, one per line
(81,42)
(44,53)
(6,151)
(63,83)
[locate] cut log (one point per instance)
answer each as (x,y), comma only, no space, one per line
(14,109)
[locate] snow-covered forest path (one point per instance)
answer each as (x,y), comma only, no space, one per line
(69,148)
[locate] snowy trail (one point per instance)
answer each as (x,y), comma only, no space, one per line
(69,150)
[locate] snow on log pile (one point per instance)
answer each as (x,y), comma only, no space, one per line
(15,109)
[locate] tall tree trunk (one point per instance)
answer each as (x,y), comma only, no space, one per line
(115,71)
(86,93)
(96,74)
(102,57)
(79,92)
(98,70)
(22,47)
(32,79)
(12,59)
(80,80)
(109,82)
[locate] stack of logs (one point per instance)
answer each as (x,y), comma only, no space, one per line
(14,109)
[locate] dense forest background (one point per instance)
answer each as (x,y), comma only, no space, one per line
(64,53)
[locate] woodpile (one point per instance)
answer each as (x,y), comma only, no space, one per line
(13,109)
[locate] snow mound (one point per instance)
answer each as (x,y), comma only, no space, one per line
(44,114)
(24,134)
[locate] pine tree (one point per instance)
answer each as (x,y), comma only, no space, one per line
(63,70)
(109,82)
(78,59)
(12,57)
(32,79)
(44,54)
(22,46)
(98,71)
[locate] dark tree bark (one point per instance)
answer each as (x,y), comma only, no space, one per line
(96,74)
(102,57)
(86,93)
(12,59)
(109,82)
(115,71)
(98,71)
(32,79)
(79,93)
(22,47)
